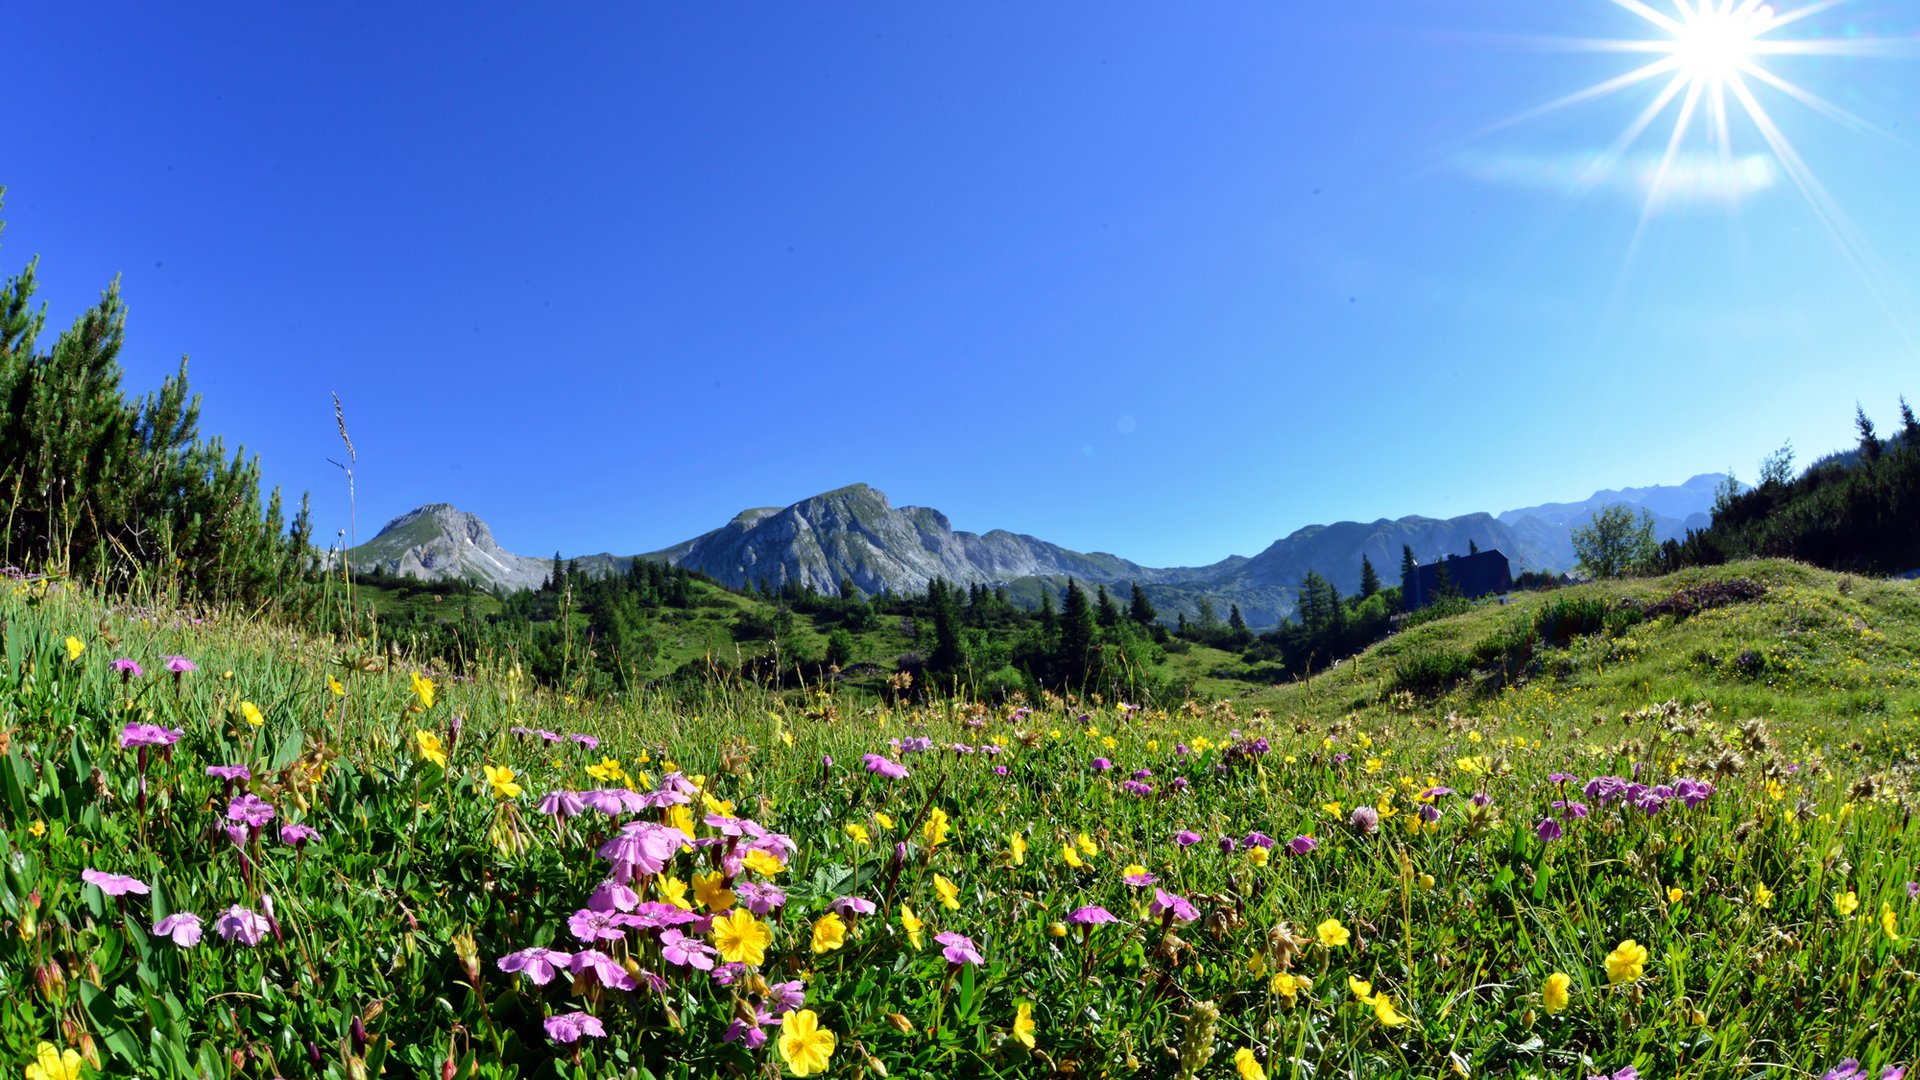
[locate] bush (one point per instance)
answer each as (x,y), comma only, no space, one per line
(1431,670)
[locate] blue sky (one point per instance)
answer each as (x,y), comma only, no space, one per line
(1164,280)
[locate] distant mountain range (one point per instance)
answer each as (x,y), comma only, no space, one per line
(856,533)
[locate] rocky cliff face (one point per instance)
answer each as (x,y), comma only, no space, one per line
(854,533)
(437,542)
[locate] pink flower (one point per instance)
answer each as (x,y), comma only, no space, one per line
(297,834)
(148,735)
(563,804)
(604,967)
(590,925)
(959,948)
(613,896)
(229,773)
(568,1027)
(1141,880)
(538,965)
(242,924)
(1179,907)
(127,668)
(881,765)
(180,665)
(183,928)
(113,884)
(251,810)
(853,905)
(682,951)
(1091,915)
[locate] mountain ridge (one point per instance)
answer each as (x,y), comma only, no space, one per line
(855,533)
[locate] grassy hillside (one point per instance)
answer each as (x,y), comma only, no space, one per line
(1372,874)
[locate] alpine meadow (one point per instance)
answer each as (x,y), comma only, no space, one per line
(1441,781)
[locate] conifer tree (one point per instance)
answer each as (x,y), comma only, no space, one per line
(1869,442)
(1369,578)
(1140,610)
(1074,656)
(1108,611)
(1235,621)
(1408,565)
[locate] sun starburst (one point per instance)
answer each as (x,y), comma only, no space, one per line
(1711,65)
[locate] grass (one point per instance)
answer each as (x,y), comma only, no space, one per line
(1776,914)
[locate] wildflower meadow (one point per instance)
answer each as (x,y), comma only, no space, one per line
(231,850)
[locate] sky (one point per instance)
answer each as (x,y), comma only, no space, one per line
(1169,281)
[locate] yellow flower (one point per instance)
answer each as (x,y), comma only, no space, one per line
(1361,991)
(722,807)
(334,685)
(1257,964)
(1426,880)
(681,818)
(54,1064)
(251,713)
(1331,933)
(885,821)
(500,779)
(38,828)
(1557,991)
(949,893)
(673,891)
(1023,1024)
(1627,962)
(1133,870)
(429,747)
(1285,984)
(1257,856)
(739,937)
(74,648)
(423,689)
(806,1046)
(762,863)
(1846,903)
(1762,896)
(710,891)
(912,925)
(1384,1011)
(1675,895)
(1888,922)
(1086,844)
(858,833)
(608,770)
(935,828)
(1017,848)
(829,932)
(1247,1065)
(1071,856)
(1332,809)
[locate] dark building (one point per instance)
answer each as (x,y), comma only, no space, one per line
(1483,573)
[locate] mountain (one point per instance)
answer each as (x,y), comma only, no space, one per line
(1547,529)
(855,533)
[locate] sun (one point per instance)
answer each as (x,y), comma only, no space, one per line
(1714,43)
(1710,64)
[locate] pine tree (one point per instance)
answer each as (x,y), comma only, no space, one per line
(1235,621)
(1408,565)
(1047,618)
(1910,426)
(1074,657)
(1108,611)
(1472,547)
(1140,610)
(1369,579)
(1869,442)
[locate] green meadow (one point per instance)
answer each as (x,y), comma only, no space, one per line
(1660,825)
